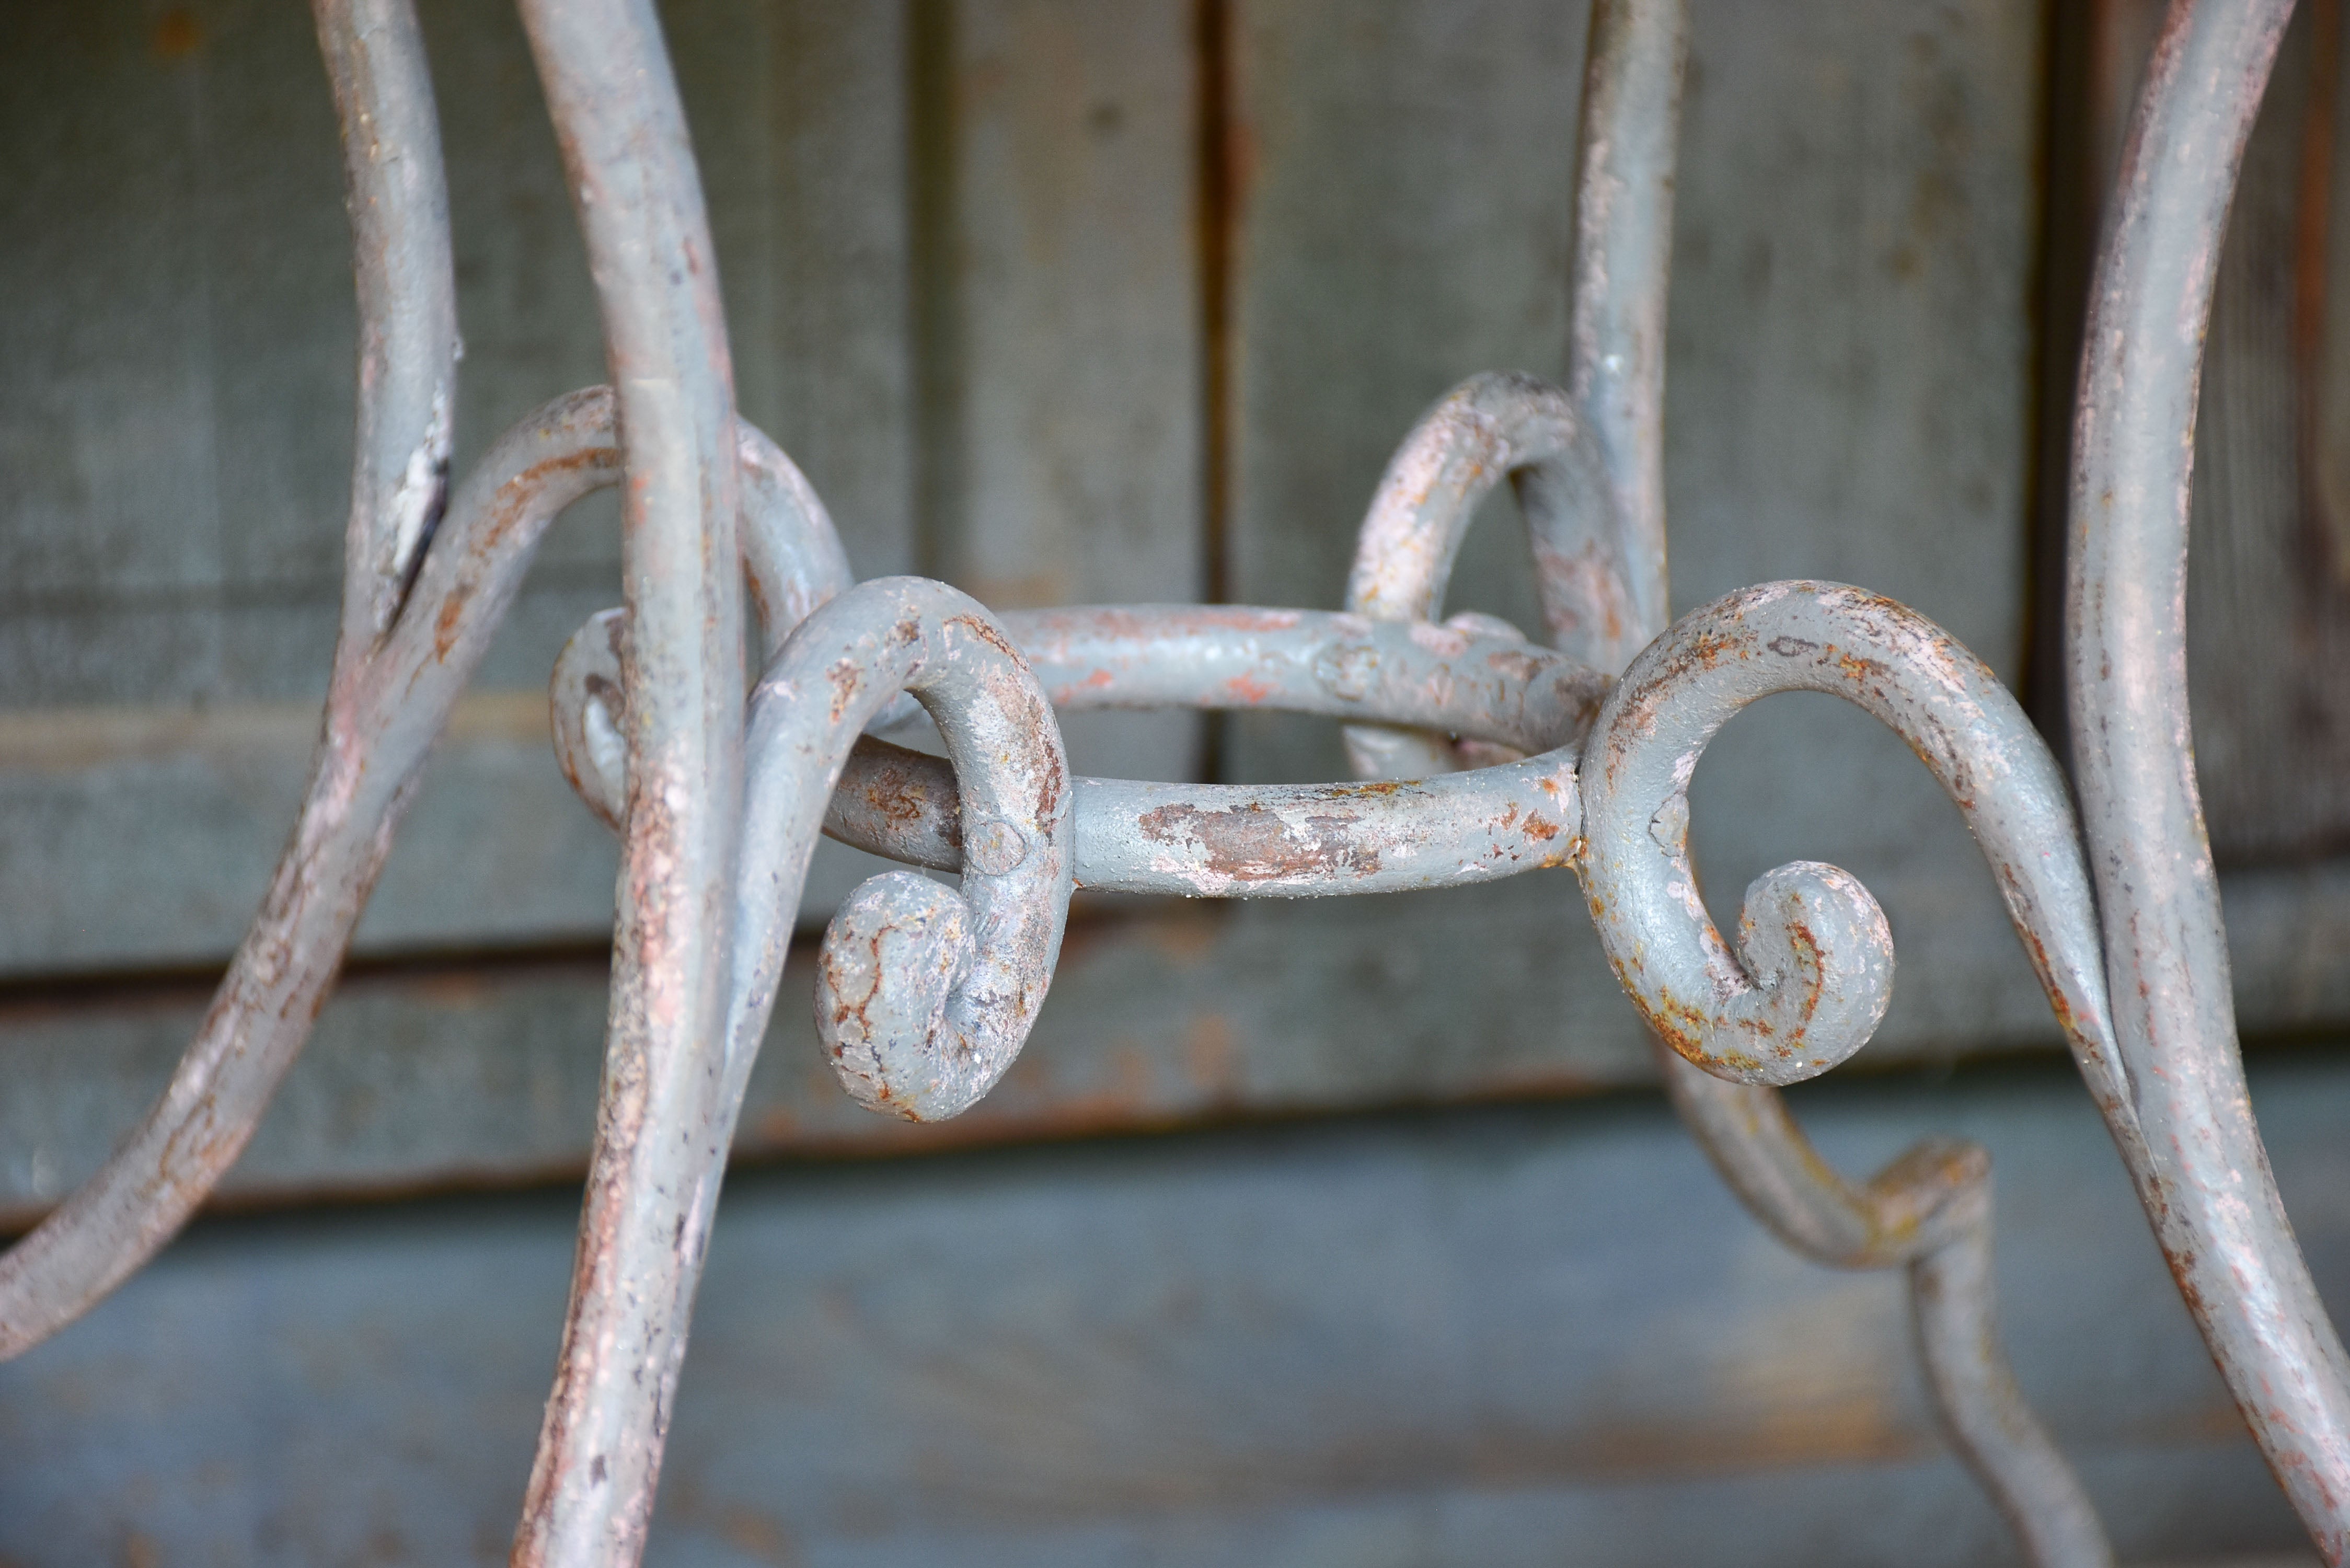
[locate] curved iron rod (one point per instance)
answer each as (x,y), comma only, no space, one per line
(1814,965)
(373,739)
(1604,599)
(396,190)
(381,728)
(1220,840)
(638,195)
(925,992)
(1491,425)
(2201,1170)
(1630,127)
(1602,566)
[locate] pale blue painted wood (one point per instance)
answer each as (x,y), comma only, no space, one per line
(1491,1338)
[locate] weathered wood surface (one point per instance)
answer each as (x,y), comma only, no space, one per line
(959,240)
(1846,391)
(456,1074)
(1064,328)
(2268,604)
(2268,598)
(1485,1338)
(177,315)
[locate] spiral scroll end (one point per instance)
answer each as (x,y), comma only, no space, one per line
(1820,954)
(888,964)
(588,703)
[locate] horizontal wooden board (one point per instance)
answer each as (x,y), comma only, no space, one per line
(1160,1015)
(1490,1339)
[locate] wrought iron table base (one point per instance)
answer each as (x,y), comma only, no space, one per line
(1480,753)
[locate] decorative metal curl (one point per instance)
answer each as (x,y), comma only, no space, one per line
(1222,840)
(1817,959)
(926,992)
(1929,1211)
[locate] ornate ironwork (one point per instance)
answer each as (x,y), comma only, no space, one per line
(1505,755)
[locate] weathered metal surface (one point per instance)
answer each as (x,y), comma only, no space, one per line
(638,194)
(924,995)
(1814,967)
(1226,841)
(1815,962)
(1592,487)
(2197,1155)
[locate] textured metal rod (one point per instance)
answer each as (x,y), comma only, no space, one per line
(1489,428)
(791,562)
(1814,968)
(1954,1315)
(397,193)
(1224,841)
(1605,578)
(639,198)
(2201,1170)
(381,721)
(375,733)
(1301,840)
(1630,122)
(924,993)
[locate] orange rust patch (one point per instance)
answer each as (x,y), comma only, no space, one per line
(988,635)
(1516,665)
(444,627)
(1861,670)
(1250,843)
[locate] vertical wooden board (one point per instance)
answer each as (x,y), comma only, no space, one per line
(1403,199)
(282,314)
(798,112)
(798,115)
(1849,399)
(2268,585)
(234,192)
(105,415)
(177,438)
(526,303)
(1068,323)
(804,105)
(1847,386)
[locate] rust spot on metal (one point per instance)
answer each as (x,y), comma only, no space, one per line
(1251,843)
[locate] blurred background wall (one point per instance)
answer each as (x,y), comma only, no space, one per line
(1345,1233)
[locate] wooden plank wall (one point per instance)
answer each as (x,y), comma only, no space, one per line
(1516,1336)
(1069,302)
(982,286)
